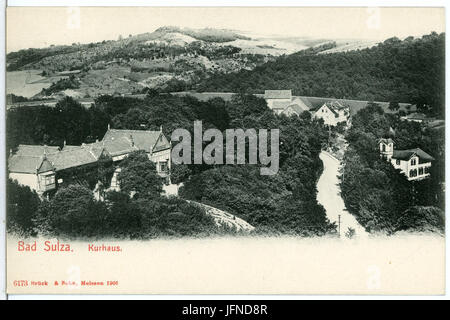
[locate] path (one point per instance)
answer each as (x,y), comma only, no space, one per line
(220,217)
(224,218)
(329,196)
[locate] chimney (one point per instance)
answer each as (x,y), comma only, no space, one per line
(10,152)
(96,140)
(160,128)
(64,142)
(109,127)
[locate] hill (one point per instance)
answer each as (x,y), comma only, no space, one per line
(167,59)
(410,71)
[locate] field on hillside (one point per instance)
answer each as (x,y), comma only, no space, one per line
(25,83)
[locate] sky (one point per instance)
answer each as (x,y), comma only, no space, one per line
(35,27)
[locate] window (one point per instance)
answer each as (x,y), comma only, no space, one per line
(413,173)
(420,171)
(397,162)
(413,162)
(114,181)
(427,169)
(163,166)
(48,180)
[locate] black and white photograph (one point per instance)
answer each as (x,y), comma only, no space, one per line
(225,150)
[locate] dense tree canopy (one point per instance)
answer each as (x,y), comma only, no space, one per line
(411,70)
(282,203)
(138,174)
(22,205)
(73,213)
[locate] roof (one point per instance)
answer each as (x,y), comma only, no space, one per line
(277,94)
(35,150)
(73,157)
(280,104)
(335,107)
(386,141)
(142,139)
(415,116)
(407,154)
(301,101)
(95,148)
(296,108)
(32,159)
(28,164)
(119,146)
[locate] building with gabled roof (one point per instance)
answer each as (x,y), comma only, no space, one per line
(296,107)
(332,113)
(282,102)
(278,100)
(41,167)
(414,163)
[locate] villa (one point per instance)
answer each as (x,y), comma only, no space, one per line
(415,163)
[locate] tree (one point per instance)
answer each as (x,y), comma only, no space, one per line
(73,124)
(72,212)
(105,169)
(411,71)
(179,173)
(138,174)
(22,205)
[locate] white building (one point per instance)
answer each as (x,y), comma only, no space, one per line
(333,113)
(278,100)
(282,102)
(415,163)
(41,167)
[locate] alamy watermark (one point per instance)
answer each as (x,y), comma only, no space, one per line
(213,153)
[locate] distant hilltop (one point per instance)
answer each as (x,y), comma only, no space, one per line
(205,34)
(167,59)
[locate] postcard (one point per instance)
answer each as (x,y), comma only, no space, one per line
(225,150)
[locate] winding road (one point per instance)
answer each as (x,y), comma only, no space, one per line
(329,196)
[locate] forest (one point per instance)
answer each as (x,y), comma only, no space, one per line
(281,204)
(410,70)
(381,198)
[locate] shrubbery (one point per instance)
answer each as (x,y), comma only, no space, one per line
(21,206)
(74,213)
(62,84)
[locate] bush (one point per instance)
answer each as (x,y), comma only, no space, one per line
(22,206)
(73,212)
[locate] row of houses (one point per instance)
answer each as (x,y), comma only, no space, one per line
(42,168)
(282,102)
(414,163)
